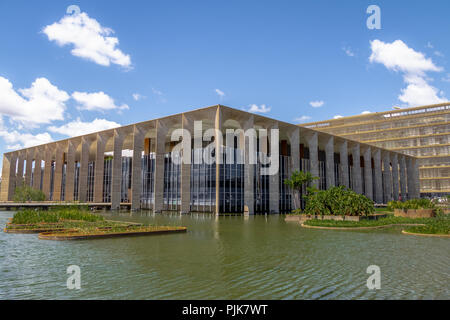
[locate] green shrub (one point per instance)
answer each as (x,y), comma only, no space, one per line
(338,201)
(412,204)
(26,193)
(28,216)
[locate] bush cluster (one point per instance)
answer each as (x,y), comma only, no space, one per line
(338,201)
(28,216)
(26,193)
(412,204)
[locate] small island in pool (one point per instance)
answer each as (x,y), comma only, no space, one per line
(75,223)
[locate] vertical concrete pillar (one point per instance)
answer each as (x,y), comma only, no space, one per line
(368,173)
(84,163)
(410,174)
(187,125)
(57,179)
(218,145)
(378,176)
(329,162)
(72,146)
(99,167)
(249,168)
(116,178)
(294,165)
(357,179)
(395,187)
(49,150)
(38,154)
(387,176)
(403,178)
(29,167)
(20,163)
(274,179)
(8,176)
(343,154)
(416,177)
(160,150)
(136,170)
(313,144)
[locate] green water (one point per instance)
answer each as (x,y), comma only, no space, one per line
(226,258)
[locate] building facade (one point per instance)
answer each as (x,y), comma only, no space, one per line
(422,132)
(101,167)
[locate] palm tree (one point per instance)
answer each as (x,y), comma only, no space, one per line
(296,182)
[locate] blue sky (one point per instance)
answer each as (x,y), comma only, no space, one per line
(63,74)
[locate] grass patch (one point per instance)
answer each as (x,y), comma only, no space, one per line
(54,215)
(439,225)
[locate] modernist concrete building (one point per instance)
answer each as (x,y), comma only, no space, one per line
(100,167)
(422,132)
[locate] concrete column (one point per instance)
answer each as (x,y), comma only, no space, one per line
(403,178)
(116,178)
(343,153)
(29,167)
(357,179)
(187,124)
(395,188)
(378,176)
(99,167)
(84,162)
(70,170)
(294,165)
(274,180)
(368,173)
(20,163)
(329,162)
(8,176)
(59,164)
(49,150)
(218,146)
(410,174)
(416,177)
(312,140)
(38,154)
(387,176)
(249,168)
(136,170)
(160,145)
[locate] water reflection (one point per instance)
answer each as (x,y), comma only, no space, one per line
(230,257)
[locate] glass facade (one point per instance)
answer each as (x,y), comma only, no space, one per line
(148,184)
(107,179)
(172,180)
(203,185)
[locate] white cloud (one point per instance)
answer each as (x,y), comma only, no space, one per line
(97,101)
(348,51)
(78,127)
(41,103)
(439,54)
(316,104)
(220,93)
(302,118)
(137,96)
(259,109)
(397,56)
(16,140)
(89,38)
(337,116)
(429,45)
(366,112)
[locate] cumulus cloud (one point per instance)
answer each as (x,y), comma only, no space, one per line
(348,51)
(220,93)
(398,57)
(316,104)
(90,40)
(97,101)
(259,109)
(16,140)
(366,112)
(78,127)
(302,118)
(41,103)
(337,116)
(137,96)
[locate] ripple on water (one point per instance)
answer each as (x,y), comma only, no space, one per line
(226,258)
